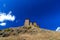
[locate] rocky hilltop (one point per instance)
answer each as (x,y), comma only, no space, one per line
(29,31)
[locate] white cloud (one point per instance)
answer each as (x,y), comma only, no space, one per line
(2,24)
(4,16)
(58,29)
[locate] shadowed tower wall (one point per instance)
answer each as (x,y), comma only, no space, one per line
(26,24)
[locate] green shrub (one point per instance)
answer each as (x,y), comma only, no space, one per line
(29,27)
(7,30)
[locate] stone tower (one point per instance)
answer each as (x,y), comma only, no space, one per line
(26,24)
(35,24)
(31,24)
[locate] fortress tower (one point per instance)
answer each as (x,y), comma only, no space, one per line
(35,24)
(31,24)
(26,24)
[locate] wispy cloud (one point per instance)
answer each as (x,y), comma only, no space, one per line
(2,24)
(58,29)
(4,16)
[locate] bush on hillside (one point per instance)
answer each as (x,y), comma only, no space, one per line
(7,30)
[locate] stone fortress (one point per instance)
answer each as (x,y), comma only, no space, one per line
(27,23)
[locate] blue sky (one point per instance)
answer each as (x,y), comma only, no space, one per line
(45,12)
